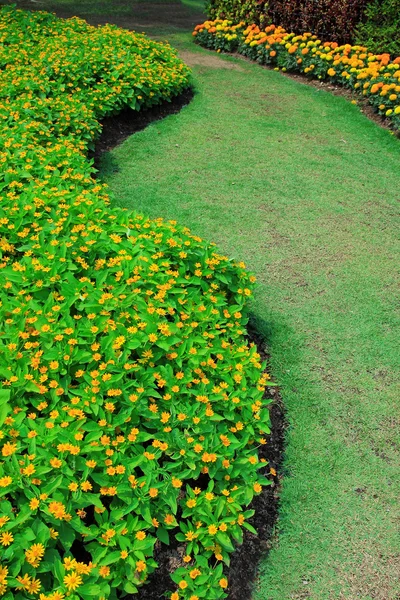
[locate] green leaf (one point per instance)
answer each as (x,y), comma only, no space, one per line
(59,571)
(163,535)
(129,588)
(250,528)
(4,396)
(225,541)
(5,408)
(111,558)
(89,590)
(66,535)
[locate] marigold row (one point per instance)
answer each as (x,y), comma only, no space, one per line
(377,77)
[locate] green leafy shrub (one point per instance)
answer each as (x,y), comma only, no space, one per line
(249,11)
(130,403)
(335,20)
(381,29)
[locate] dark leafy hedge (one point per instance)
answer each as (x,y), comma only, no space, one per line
(335,20)
(381,30)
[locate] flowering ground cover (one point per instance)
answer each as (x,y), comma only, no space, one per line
(131,404)
(376,77)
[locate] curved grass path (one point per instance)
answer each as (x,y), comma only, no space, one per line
(305,189)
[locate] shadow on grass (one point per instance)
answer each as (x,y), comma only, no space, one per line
(158,16)
(116,128)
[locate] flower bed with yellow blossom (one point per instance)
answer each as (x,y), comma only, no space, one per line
(377,77)
(130,401)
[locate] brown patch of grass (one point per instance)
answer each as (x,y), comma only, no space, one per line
(380,578)
(207,60)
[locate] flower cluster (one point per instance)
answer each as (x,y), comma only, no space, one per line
(131,404)
(376,77)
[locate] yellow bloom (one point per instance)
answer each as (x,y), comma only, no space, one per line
(6,538)
(182,584)
(8,449)
(141,566)
(72,581)
(5,481)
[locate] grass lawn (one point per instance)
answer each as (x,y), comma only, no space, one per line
(305,189)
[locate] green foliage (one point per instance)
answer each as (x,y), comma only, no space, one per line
(381,29)
(125,372)
(331,19)
(250,11)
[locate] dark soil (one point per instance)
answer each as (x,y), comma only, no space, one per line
(118,127)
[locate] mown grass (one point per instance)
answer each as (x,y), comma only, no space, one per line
(305,189)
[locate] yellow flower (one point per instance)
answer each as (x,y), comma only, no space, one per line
(8,449)
(5,481)
(194,573)
(140,566)
(6,538)
(182,584)
(72,581)
(33,586)
(56,596)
